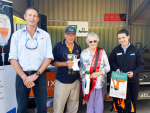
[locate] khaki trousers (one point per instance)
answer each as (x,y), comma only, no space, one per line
(66,93)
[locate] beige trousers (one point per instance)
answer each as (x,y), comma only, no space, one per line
(66,93)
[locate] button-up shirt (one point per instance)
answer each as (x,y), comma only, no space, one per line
(125,49)
(85,64)
(27,58)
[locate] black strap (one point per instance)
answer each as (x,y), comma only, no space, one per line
(96,60)
(95,66)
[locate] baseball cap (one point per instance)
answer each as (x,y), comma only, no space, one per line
(70,30)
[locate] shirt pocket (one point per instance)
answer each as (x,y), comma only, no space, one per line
(42,48)
(132,58)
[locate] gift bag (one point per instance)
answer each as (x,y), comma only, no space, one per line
(118,85)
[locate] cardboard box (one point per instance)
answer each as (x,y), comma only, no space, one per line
(50,109)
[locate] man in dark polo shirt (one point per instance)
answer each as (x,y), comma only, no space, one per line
(66,86)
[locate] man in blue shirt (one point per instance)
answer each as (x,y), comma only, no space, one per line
(66,86)
(30,54)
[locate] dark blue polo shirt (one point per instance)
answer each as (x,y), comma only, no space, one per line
(60,54)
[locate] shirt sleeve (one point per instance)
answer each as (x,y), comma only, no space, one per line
(106,67)
(82,66)
(56,54)
(13,54)
(49,48)
(139,64)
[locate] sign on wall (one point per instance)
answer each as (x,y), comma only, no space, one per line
(81,28)
(115,17)
(8,101)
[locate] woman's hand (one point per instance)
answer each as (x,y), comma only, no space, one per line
(130,74)
(84,74)
(96,74)
(118,70)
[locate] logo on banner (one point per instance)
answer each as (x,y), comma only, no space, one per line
(75,26)
(1,95)
(50,85)
(115,17)
(81,28)
(1,69)
(12,111)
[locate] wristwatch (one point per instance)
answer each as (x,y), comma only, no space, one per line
(38,73)
(101,72)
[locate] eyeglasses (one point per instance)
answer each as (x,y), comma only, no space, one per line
(31,43)
(93,41)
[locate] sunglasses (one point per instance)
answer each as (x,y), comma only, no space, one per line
(93,41)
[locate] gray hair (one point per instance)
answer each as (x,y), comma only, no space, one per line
(92,34)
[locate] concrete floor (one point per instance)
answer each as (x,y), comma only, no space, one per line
(143,106)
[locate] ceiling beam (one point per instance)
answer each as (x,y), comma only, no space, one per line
(138,11)
(18,14)
(28,3)
(141,23)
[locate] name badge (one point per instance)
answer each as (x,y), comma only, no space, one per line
(119,53)
(132,54)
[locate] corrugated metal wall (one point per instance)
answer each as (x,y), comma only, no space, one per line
(108,36)
(61,11)
(140,34)
(19,6)
(134,5)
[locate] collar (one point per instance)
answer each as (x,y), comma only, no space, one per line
(63,43)
(70,50)
(25,29)
(127,47)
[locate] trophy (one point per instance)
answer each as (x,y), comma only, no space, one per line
(73,58)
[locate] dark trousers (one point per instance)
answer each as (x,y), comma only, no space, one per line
(134,89)
(40,94)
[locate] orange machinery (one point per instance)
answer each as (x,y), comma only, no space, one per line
(50,83)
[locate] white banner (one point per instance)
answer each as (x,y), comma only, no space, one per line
(81,28)
(8,101)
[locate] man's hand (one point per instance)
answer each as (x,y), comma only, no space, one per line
(28,80)
(130,74)
(69,63)
(31,85)
(118,70)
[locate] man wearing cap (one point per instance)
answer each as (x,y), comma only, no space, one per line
(66,86)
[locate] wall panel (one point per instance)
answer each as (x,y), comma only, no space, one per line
(107,35)
(59,12)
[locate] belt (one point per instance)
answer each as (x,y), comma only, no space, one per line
(30,72)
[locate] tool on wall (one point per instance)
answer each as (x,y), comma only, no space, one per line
(141,48)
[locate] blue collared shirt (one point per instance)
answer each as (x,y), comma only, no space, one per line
(125,49)
(30,59)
